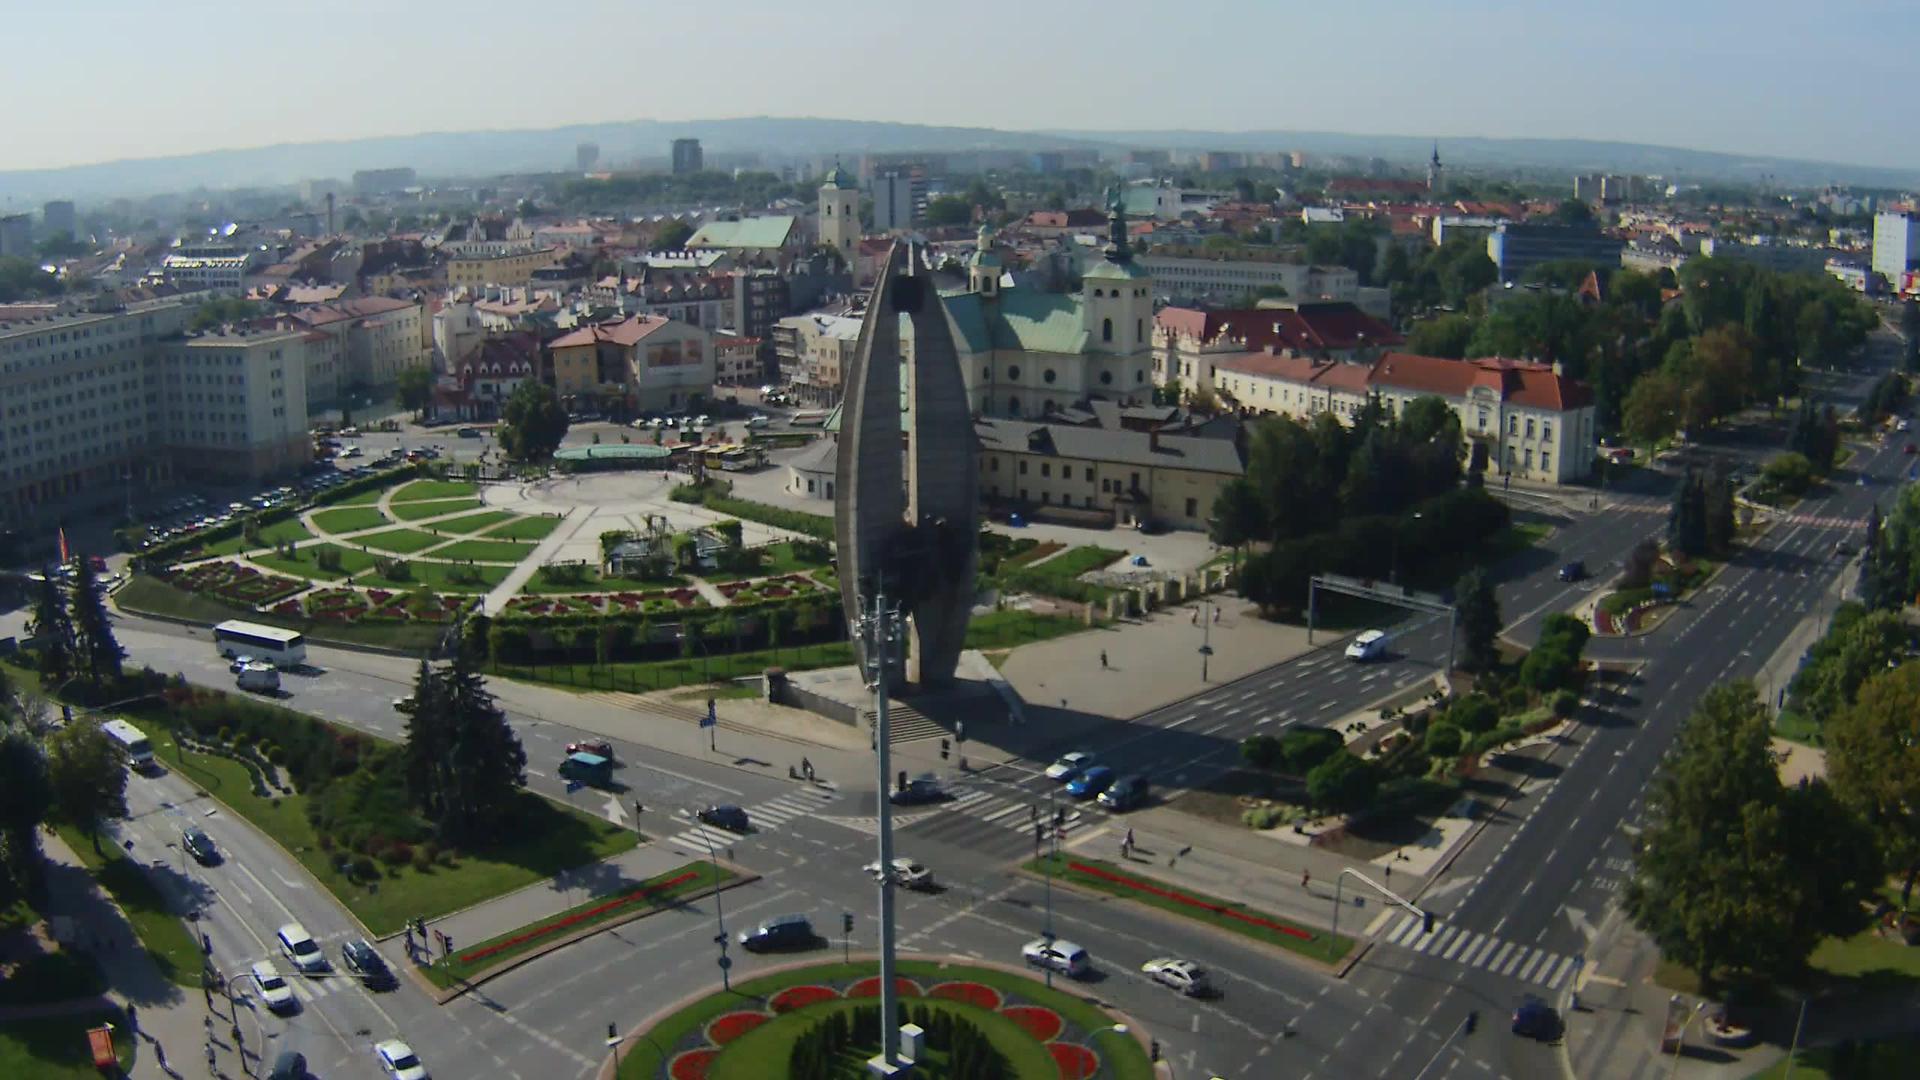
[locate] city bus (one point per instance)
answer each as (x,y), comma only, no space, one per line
(281,648)
(133,741)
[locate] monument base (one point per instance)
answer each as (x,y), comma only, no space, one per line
(976,698)
(878,1066)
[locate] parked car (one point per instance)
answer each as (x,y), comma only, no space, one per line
(274,990)
(399,1060)
(1370,645)
(779,932)
(199,845)
(1534,1018)
(1069,765)
(360,957)
(725,816)
(592,746)
(1125,793)
(1183,975)
(1059,954)
(301,949)
(1574,571)
(906,872)
(1091,782)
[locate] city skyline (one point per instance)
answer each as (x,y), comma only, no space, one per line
(1711,77)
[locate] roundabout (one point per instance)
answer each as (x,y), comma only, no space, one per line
(821,1020)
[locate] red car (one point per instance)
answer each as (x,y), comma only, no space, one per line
(1910,449)
(592,746)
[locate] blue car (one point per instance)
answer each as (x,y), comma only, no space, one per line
(1090,783)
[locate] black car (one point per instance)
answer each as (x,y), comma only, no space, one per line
(918,792)
(1125,793)
(1534,1019)
(199,845)
(1574,571)
(363,960)
(779,932)
(725,816)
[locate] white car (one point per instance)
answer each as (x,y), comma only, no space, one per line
(906,872)
(1059,954)
(1183,975)
(1370,645)
(273,986)
(398,1059)
(1068,766)
(758,421)
(301,949)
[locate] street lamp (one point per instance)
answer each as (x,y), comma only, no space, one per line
(719,914)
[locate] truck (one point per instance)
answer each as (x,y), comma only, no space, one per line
(259,677)
(133,741)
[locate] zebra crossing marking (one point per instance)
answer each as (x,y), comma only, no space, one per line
(762,816)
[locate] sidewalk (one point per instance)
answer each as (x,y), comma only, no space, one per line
(168,1018)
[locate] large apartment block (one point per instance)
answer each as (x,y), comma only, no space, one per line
(234,402)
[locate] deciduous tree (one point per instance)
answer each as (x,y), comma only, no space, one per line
(25,794)
(1873,762)
(532,422)
(1479,614)
(87,772)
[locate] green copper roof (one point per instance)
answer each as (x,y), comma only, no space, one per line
(613,452)
(1105,270)
(1020,319)
(756,232)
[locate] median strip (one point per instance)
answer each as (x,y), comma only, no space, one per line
(1238,918)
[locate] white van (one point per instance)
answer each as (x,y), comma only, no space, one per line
(259,677)
(1371,645)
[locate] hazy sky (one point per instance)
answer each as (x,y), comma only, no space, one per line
(92,80)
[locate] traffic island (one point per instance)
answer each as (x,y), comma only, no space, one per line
(463,969)
(822,1020)
(1129,883)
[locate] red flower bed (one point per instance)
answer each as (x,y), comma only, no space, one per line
(557,925)
(379,596)
(1076,1062)
(288,607)
(799,997)
(692,1065)
(1042,1024)
(970,993)
(1176,895)
(870,987)
(727,1028)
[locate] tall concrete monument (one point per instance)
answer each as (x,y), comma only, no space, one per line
(905,524)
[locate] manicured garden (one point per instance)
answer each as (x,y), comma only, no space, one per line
(422,490)
(1130,883)
(400,541)
(752,1033)
(320,562)
(415,511)
(653,894)
(476,523)
(504,551)
(639,678)
(350,519)
(437,576)
(522,528)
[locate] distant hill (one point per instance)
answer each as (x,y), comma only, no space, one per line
(481,153)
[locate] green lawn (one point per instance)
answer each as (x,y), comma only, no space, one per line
(1880,1059)
(400,541)
(1005,629)
(55,1048)
(438,577)
(779,559)
(436,489)
(550,838)
(765,1052)
(280,532)
(1319,944)
(506,551)
(474,523)
(350,519)
(452,971)
(364,498)
(1515,539)
(667,674)
(523,528)
(55,976)
(144,594)
(414,511)
(596,582)
(174,950)
(306,562)
(1122,1057)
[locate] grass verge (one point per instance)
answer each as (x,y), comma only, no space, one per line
(350,519)
(440,577)
(306,562)
(474,523)
(400,541)
(414,511)
(1872,1059)
(421,490)
(522,528)
(506,551)
(1006,629)
(55,976)
(55,1047)
(165,936)
(549,839)
(667,674)
(653,894)
(1124,1059)
(1227,915)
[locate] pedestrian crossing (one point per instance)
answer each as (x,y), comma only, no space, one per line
(1484,951)
(998,809)
(762,817)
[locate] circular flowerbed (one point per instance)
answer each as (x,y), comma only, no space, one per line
(870,987)
(733,1025)
(1033,1031)
(799,997)
(1042,1024)
(970,993)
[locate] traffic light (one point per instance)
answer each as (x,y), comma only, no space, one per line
(946,749)
(846,922)
(901,779)
(1060,818)
(1426,924)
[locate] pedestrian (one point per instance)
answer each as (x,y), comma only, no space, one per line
(160,1054)
(1103,659)
(1196,616)
(1306,878)
(1216,614)
(1389,873)
(1129,836)
(210,1060)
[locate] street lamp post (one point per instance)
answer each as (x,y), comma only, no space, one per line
(1206,635)
(719,912)
(882,629)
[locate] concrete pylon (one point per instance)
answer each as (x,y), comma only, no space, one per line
(907,522)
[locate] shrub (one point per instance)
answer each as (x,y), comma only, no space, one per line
(1444,741)
(1474,713)
(1260,751)
(1564,703)
(363,867)
(276,755)
(421,860)
(1342,783)
(1304,748)
(1264,817)
(325,840)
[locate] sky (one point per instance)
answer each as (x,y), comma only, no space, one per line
(97,80)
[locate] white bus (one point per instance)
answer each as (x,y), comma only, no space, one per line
(281,648)
(134,741)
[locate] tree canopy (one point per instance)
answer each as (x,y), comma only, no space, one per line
(532,422)
(87,772)
(1873,762)
(463,764)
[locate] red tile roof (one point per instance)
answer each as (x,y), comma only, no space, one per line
(1311,328)
(628,331)
(1536,386)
